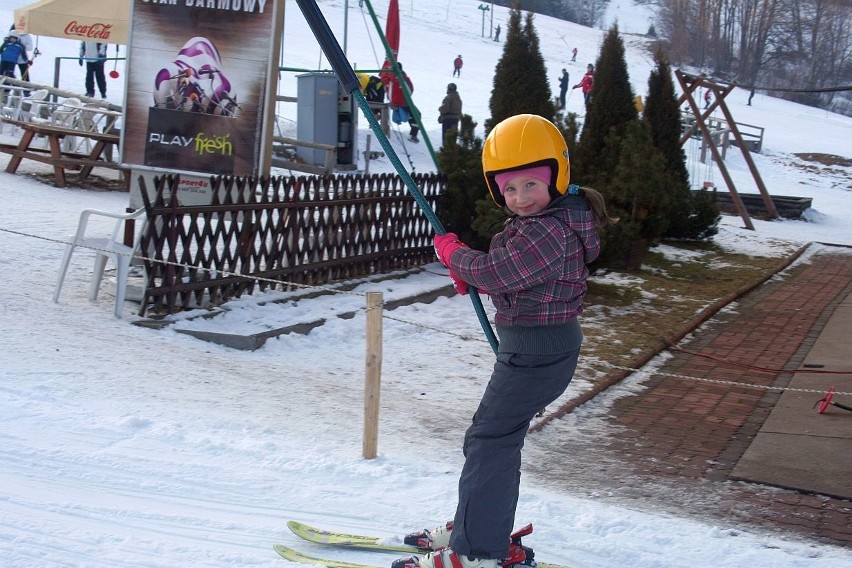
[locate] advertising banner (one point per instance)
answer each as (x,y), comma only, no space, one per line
(197,74)
(85,20)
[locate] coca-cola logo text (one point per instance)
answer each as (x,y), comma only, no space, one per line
(95,31)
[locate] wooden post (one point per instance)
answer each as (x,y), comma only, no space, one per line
(367,156)
(129,230)
(764,193)
(385,121)
(372,374)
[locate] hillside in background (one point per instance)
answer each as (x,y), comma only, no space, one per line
(130,446)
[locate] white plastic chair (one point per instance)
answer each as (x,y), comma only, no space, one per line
(105,248)
(12,98)
(31,107)
(67,115)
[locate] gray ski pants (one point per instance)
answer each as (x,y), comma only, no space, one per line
(520,386)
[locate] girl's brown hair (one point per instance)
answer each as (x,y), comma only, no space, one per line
(598,206)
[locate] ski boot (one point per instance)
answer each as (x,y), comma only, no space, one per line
(444,558)
(439,537)
(441,556)
(520,555)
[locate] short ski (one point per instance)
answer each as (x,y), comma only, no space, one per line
(344,540)
(294,555)
(321,536)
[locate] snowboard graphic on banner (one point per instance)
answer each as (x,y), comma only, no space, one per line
(196,85)
(193,83)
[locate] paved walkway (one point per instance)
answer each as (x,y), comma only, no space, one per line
(718,449)
(702,431)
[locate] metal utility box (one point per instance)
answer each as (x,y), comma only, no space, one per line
(326,115)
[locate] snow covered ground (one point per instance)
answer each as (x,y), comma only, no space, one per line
(126,446)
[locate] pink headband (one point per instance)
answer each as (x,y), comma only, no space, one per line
(541,173)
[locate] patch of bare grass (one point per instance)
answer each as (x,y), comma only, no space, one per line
(636,317)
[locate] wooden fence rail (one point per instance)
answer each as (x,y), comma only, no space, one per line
(260,233)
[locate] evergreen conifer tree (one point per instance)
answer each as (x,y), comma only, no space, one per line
(663,116)
(520,77)
(637,194)
(567,125)
(460,159)
(609,112)
(688,215)
(520,86)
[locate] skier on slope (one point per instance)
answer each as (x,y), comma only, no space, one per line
(587,83)
(400,111)
(535,273)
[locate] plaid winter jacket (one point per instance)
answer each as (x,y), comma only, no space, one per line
(536,268)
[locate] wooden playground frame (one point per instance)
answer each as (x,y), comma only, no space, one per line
(690,84)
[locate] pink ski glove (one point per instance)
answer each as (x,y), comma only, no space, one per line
(446,245)
(459,284)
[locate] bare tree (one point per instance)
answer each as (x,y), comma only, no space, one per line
(795,45)
(756,18)
(674,18)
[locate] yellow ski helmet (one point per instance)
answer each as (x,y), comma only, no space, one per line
(524,141)
(363,79)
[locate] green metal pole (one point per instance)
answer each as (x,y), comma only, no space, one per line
(346,76)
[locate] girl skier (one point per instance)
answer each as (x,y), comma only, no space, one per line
(535,273)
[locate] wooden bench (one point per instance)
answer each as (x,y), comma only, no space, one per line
(325,169)
(787,206)
(60,160)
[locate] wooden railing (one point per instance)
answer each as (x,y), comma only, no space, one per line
(272,233)
(289,145)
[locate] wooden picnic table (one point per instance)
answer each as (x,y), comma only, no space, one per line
(60,160)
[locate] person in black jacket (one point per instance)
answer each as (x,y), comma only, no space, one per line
(563,88)
(374,91)
(450,111)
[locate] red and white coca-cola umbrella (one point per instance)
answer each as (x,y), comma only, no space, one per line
(105,21)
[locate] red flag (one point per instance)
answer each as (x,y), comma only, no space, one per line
(392,27)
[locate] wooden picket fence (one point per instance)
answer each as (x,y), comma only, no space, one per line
(273,233)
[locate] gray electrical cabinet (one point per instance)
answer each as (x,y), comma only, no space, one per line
(326,115)
(347,131)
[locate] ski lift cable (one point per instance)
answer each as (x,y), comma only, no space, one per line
(346,76)
(370,37)
(779,89)
(401,138)
(788,90)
